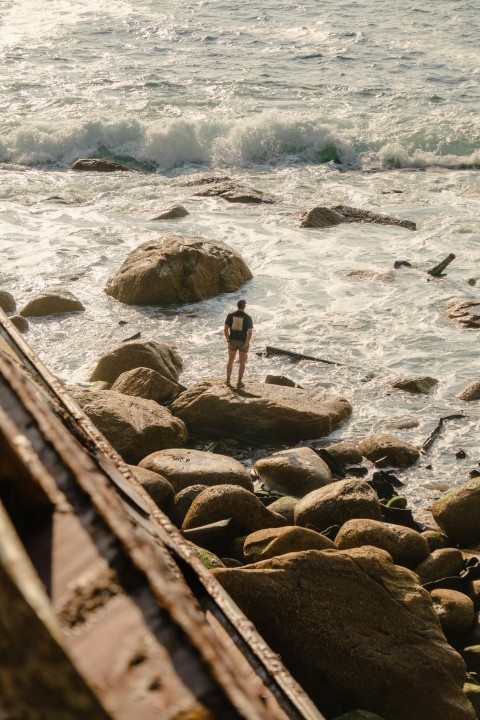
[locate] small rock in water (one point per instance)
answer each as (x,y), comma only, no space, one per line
(420,385)
(472,281)
(321,217)
(98,165)
(177,211)
(401,263)
(461,455)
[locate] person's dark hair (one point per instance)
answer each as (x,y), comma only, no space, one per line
(241,303)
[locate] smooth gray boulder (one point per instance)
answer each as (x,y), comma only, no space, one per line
(336,503)
(135,427)
(464,312)
(52,302)
(178,269)
(354,630)
(183,467)
(442,563)
(161,357)
(260,412)
(295,471)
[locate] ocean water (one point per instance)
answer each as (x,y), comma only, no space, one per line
(363,103)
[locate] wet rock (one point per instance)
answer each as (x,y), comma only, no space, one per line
(52,302)
(336,503)
(157,356)
(457,513)
(367,216)
(370,275)
(181,502)
(183,467)
(455,612)
(178,269)
(420,385)
(260,411)
(206,180)
(471,392)
(285,507)
(299,604)
(158,487)
(146,383)
(396,452)
(230,501)
(135,427)
(98,165)
(264,544)
(7,302)
(296,471)
(173,213)
(20,323)
(465,313)
(235,193)
(402,423)
(321,217)
(443,563)
(406,546)
(279,380)
(345,452)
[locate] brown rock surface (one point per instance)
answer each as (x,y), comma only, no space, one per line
(173,213)
(230,501)
(135,427)
(296,471)
(285,507)
(7,302)
(336,503)
(406,546)
(158,487)
(260,413)
(458,512)
(178,269)
(146,383)
(395,451)
(417,386)
(455,611)
(98,165)
(183,467)
(465,313)
(321,217)
(443,563)
(352,214)
(471,392)
(354,630)
(52,302)
(157,356)
(264,544)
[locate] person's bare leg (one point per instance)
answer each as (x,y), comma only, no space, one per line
(242,360)
(231,360)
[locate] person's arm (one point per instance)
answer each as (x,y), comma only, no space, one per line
(247,341)
(226,332)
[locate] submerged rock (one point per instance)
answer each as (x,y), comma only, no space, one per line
(183,467)
(135,427)
(178,269)
(98,165)
(173,213)
(465,313)
(420,385)
(160,357)
(354,630)
(52,302)
(235,193)
(321,217)
(370,275)
(352,214)
(260,412)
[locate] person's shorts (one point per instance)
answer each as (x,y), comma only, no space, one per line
(236,345)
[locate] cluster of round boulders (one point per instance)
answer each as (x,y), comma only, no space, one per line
(178,269)
(332,570)
(9,307)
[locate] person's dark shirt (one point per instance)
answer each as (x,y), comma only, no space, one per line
(239,323)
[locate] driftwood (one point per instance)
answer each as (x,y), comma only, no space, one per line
(297,356)
(433,435)
(437,270)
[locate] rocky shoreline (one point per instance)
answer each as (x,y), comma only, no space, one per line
(372,608)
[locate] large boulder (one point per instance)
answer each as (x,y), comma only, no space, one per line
(176,270)
(268,543)
(135,427)
(158,487)
(471,392)
(230,501)
(406,546)
(296,471)
(261,412)
(395,451)
(457,513)
(355,630)
(184,467)
(157,356)
(7,302)
(336,503)
(146,383)
(52,302)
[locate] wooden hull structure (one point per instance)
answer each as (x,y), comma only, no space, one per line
(106,613)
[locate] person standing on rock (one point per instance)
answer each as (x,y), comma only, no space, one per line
(238,331)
